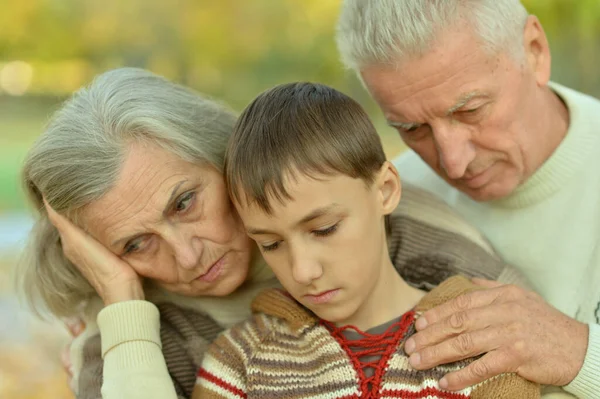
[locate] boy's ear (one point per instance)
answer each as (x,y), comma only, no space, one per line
(390,188)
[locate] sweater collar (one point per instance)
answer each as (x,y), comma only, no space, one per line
(569,156)
(278,303)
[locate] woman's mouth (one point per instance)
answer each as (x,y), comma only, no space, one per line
(214,271)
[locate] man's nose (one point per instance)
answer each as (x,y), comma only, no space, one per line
(454,148)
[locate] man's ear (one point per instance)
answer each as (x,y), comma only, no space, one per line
(389,187)
(537,50)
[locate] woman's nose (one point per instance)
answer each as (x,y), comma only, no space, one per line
(187,251)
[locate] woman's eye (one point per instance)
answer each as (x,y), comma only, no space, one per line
(270,247)
(326,231)
(135,246)
(184,202)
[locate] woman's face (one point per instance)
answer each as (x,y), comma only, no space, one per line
(173,222)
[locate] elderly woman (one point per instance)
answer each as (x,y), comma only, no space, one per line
(138,234)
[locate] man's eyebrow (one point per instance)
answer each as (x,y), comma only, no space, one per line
(314,214)
(404,125)
(463,100)
(165,211)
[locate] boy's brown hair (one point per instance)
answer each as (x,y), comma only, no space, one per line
(305,128)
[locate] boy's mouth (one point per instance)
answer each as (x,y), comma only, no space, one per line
(322,297)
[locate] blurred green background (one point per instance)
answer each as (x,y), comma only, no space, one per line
(229,49)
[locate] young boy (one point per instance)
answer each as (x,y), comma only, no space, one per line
(309,178)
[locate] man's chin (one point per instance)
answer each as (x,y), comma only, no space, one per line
(490,192)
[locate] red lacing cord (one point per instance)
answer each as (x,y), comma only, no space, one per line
(382,345)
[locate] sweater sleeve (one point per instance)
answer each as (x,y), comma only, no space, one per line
(223,371)
(506,386)
(134,365)
(587,383)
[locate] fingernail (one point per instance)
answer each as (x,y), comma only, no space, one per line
(409,346)
(414,359)
(443,383)
(421,323)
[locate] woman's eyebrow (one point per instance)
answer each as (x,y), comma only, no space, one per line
(118,242)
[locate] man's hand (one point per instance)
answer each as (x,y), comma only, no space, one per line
(515,330)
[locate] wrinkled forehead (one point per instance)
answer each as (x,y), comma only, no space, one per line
(457,65)
(148,179)
(128,208)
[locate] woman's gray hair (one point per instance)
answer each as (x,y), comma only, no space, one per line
(376,32)
(79,156)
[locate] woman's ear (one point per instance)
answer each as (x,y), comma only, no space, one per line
(390,189)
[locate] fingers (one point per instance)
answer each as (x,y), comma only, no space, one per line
(55,217)
(459,304)
(62,224)
(488,366)
(65,360)
(485,283)
(460,347)
(456,324)
(471,300)
(75,326)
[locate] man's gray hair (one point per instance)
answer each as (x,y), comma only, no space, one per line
(375,32)
(79,156)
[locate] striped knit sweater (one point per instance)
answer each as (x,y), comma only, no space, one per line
(285,351)
(168,337)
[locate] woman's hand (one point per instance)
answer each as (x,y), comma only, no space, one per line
(76,327)
(112,278)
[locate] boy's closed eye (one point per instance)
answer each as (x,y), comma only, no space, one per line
(322,232)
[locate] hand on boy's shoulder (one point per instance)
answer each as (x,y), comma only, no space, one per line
(447,290)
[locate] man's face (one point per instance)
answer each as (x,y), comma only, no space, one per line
(472,117)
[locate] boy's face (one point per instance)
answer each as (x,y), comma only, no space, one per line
(327,244)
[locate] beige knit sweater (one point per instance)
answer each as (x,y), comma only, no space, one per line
(153,350)
(285,351)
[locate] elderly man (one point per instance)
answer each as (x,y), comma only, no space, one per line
(466,84)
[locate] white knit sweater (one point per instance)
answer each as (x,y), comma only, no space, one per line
(549,228)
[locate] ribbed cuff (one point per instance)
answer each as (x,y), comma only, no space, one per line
(134,322)
(587,382)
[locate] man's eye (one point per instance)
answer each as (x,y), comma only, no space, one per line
(184,202)
(414,133)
